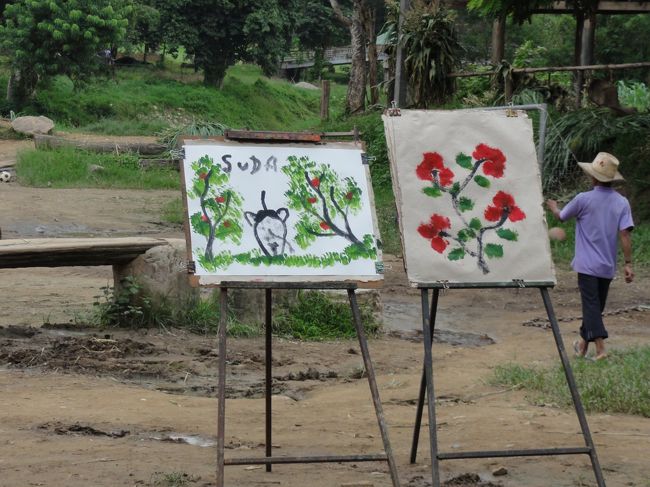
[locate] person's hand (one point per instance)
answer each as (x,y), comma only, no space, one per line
(552,205)
(629,273)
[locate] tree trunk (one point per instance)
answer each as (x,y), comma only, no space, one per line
(369,21)
(356,97)
(578,77)
(214,73)
(498,40)
(20,87)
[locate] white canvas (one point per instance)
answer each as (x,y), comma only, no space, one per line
(468,190)
(279,212)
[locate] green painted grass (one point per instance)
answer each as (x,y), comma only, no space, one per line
(620,384)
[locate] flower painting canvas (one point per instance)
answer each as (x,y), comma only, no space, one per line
(279,212)
(468,191)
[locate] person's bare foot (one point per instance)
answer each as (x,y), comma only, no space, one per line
(580,348)
(601,356)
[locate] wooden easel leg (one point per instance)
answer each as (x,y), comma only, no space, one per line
(374,390)
(221,386)
(431,396)
(269,380)
(423,383)
(577,403)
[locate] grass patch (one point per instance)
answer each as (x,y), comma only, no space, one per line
(316,316)
(620,384)
(71,168)
(143,101)
(173,212)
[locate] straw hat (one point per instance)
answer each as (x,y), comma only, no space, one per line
(604,168)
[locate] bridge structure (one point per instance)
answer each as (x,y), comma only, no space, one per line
(296,61)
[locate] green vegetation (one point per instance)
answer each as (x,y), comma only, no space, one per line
(620,384)
(316,316)
(173,479)
(72,168)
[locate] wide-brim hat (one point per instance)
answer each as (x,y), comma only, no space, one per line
(604,168)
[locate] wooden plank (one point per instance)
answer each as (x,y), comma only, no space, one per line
(61,252)
(52,141)
(269,136)
(551,69)
(562,7)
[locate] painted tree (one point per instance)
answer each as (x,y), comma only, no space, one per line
(221,213)
(45,38)
(469,235)
(324,202)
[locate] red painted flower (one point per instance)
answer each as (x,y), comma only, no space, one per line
(324,226)
(312,200)
(204,218)
(434,231)
(349,195)
(432,161)
(503,203)
(315,182)
(203,175)
(220,199)
(227,224)
(495,161)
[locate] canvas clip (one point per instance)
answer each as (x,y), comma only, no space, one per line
(379,267)
(445,284)
(511,112)
(394,111)
(191,267)
(519,282)
(366,159)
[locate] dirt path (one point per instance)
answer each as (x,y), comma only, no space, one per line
(85,407)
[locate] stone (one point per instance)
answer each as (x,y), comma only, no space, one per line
(161,272)
(31,125)
(95,168)
(500,471)
(306,86)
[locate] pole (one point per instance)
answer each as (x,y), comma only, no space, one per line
(400,91)
(221,386)
(269,379)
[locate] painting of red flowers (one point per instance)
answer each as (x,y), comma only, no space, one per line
(469,197)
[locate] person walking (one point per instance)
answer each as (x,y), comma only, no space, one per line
(602,216)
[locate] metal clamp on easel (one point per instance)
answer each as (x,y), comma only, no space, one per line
(394,111)
(510,111)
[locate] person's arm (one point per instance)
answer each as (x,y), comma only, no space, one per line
(553,208)
(626,246)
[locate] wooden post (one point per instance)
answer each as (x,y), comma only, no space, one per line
(325,101)
(498,40)
(400,92)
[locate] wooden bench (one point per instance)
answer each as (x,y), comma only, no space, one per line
(61,252)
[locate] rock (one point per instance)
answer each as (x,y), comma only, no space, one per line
(32,125)
(500,471)
(306,86)
(95,168)
(162,273)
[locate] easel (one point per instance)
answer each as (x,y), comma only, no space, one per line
(350,286)
(269,459)
(426,387)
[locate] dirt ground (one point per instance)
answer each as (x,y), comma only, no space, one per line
(86,407)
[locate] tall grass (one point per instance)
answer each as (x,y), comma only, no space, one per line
(144,101)
(620,384)
(72,168)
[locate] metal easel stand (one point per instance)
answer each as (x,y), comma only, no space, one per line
(269,459)
(426,386)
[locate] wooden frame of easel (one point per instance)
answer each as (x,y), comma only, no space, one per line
(350,286)
(427,388)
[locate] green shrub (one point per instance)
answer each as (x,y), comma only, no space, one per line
(316,316)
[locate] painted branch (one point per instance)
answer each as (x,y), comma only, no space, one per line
(591,67)
(62,252)
(52,141)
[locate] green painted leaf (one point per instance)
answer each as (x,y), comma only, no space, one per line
(464,161)
(456,254)
(506,234)
(475,224)
(465,234)
(465,204)
(482,181)
(455,189)
(494,251)
(431,191)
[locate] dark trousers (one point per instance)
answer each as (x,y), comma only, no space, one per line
(593,292)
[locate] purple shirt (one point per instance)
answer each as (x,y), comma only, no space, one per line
(600,214)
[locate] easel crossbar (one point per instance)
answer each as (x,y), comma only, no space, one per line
(381,457)
(534,452)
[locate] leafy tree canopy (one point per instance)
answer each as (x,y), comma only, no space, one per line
(217,33)
(49,37)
